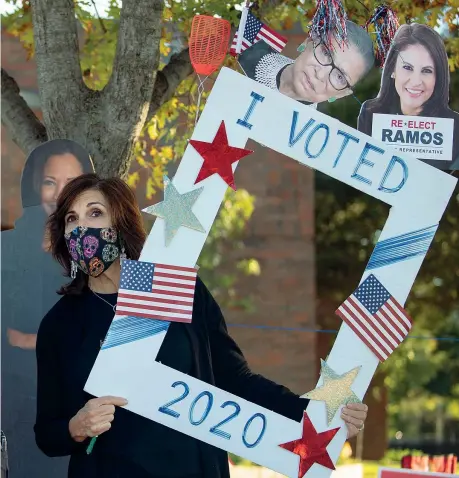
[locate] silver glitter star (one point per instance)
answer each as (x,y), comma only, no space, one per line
(336,389)
(176,210)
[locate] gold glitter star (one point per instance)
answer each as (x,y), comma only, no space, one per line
(176,210)
(335,391)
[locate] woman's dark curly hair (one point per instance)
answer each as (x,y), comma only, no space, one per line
(126,218)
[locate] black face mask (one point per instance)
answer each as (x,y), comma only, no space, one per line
(93,249)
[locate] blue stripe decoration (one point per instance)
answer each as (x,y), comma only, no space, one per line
(130,329)
(401,248)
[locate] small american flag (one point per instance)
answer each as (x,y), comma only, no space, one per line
(156,291)
(255,31)
(376,317)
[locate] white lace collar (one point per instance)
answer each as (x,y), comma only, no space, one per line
(268,68)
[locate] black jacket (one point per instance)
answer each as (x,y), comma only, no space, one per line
(365,125)
(68,343)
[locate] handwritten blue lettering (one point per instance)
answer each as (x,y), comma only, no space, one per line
(294,139)
(363,161)
(395,160)
(256,98)
(347,138)
(260,434)
(210,401)
(165,408)
(311,134)
(215,429)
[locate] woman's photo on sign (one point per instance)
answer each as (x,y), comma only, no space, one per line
(411,110)
(47,170)
(30,280)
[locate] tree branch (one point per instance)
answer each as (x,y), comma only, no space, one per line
(168,79)
(101,22)
(137,56)
(127,96)
(23,126)
(60,81)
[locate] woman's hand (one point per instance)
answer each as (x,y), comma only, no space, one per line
(21,340)
(354,415)
(95,417)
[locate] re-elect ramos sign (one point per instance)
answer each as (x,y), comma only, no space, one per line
(421,136)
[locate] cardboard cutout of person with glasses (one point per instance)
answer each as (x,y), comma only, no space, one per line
(319,73)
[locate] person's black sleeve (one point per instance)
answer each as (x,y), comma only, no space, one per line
(51,428)
(365,120)
(233,374)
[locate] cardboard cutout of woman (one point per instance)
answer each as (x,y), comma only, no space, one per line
(30,279)
(415,83)
(319,73)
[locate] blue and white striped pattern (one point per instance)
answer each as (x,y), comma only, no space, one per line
(402,248)
(130,329)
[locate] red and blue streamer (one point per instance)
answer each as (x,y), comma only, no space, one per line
(385,23)
(329,22)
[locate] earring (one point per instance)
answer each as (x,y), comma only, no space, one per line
(393,76)
(73,270)
(301,47)
(123,254)
(332,99)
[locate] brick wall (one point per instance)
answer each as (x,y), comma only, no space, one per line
(280,235)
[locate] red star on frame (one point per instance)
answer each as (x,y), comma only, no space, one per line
(311,447)
(218,157)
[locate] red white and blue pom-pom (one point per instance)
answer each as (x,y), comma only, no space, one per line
(329,22)
(385,23)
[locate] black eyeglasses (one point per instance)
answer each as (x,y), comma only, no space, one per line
(324,57)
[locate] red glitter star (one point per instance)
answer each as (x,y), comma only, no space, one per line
(312,447)
(218,157)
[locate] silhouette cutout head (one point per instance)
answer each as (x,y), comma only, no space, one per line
(49,168)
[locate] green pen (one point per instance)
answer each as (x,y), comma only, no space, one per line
(91,445)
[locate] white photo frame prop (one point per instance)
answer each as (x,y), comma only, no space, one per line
(417,194)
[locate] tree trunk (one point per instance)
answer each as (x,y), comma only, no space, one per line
(108,122)
(25,128)
(126,99)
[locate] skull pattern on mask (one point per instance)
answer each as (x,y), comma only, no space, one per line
(90,245)
(96,267)
(93,249)
(110,252)
(72,245)
(83,267)
(109,234)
